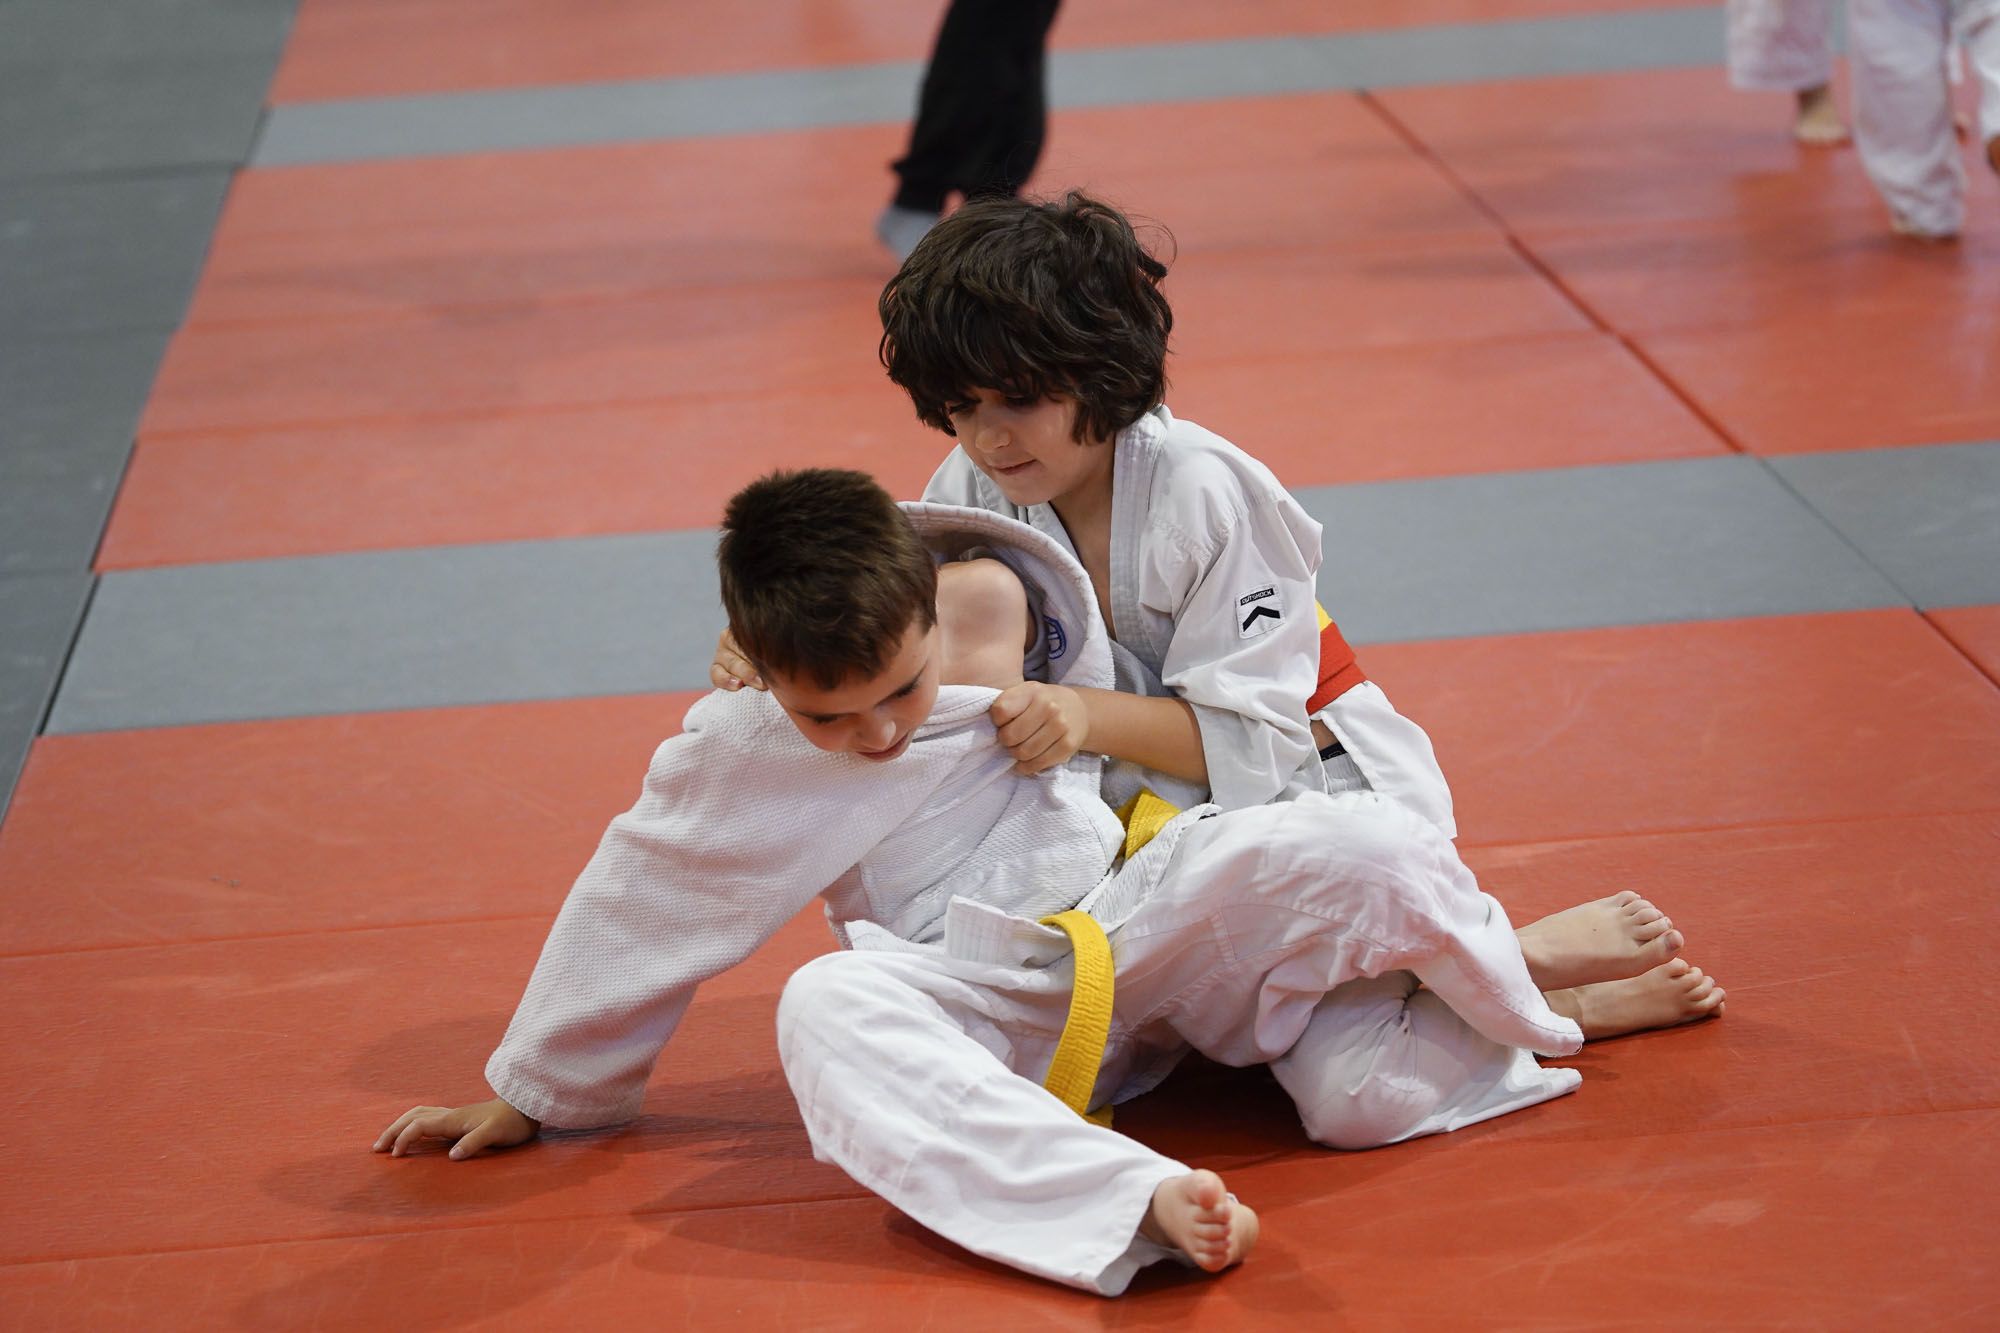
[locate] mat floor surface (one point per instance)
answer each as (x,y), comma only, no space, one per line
(359,466)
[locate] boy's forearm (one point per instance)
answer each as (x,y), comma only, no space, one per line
(1156,731)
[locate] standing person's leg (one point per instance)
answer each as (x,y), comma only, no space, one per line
(914,1074)
(981,117)
(1018,125)
(1780,45)
(1902,112)
(1979,33)
(1787,46)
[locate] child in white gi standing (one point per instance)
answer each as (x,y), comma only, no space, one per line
(870,775)
(1897,52)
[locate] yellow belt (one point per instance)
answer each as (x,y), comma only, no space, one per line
(1080,1050)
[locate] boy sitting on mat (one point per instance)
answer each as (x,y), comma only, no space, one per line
(1336,938)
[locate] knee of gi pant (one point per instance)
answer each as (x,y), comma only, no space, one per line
(1364,841)
(818,1002)
(1357,1074)
(1372,1115)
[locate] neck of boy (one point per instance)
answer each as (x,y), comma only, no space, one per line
(1085,509)
(1088,524)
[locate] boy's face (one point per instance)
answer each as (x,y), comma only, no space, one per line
(1026,447)
(870,716)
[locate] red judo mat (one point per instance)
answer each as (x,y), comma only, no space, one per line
(235,951)
(248,944)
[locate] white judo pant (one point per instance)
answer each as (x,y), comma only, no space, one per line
(1292,934)
(1780,45)
(1902,101)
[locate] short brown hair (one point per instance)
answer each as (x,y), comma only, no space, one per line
(822,575)
(1034,300)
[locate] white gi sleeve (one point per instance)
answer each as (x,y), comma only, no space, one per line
(1245,647)
(730,838)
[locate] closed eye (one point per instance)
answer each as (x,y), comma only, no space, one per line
(821,719)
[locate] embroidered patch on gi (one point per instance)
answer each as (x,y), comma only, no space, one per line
(1258,613)
(1058,641)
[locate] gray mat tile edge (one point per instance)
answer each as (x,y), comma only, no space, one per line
(1928,518)
(103,254)
(578,114)
(1495,554)
(68,409)
(39,614)
(130,114)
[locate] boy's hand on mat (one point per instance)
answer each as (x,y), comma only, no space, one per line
(731,670)
(1041,725)
(474,1129)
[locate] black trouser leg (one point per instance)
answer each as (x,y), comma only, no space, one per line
(983,112)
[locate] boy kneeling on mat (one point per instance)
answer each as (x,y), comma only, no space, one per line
(1015,961)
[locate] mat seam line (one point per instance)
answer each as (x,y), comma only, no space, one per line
(1927,615)
(1549,275)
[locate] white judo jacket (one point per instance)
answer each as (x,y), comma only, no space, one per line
(1213,569)
(742,822)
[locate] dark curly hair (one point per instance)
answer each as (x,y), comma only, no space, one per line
(822,575)
(1031,299)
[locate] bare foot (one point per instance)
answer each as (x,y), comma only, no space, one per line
(1819,124)
(1903,227)
(1672,993)
(1196,1215)
(1610,939)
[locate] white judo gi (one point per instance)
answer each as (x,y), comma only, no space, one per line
(1780,45)
(1897,52)
(1293,933)
(1212,593)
